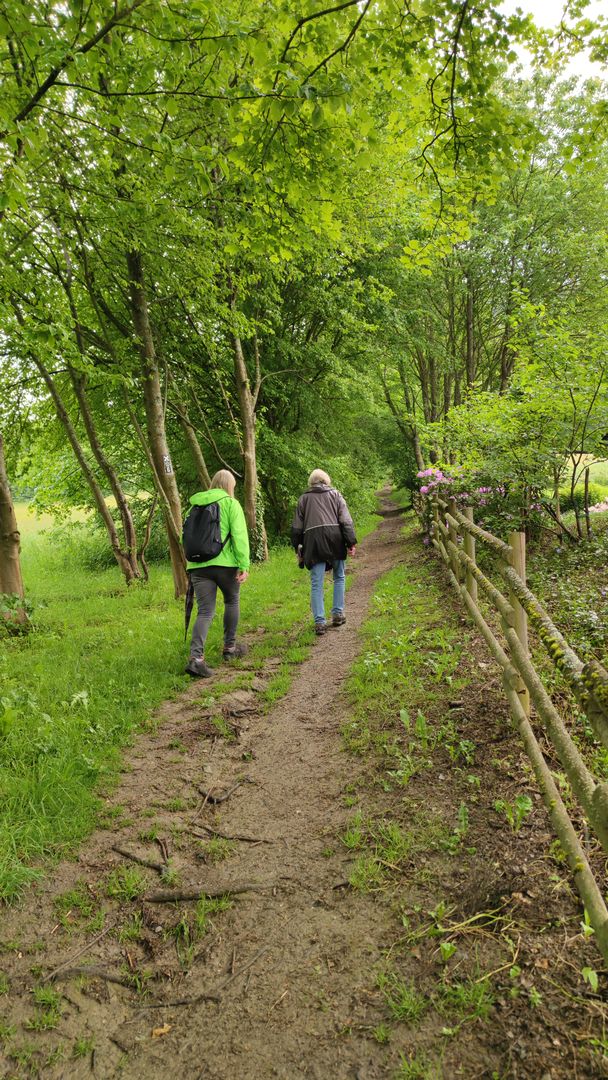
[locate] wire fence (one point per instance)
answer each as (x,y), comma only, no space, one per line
(455,536)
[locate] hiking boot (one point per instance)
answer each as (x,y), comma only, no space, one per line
(338,620)
(237,652)
(199,669)
(320,628)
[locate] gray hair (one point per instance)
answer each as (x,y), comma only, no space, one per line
(317,476)
(224,479)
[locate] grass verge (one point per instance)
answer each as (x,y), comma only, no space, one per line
(100,659)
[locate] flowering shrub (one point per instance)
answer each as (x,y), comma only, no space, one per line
(435,481)
(499,507)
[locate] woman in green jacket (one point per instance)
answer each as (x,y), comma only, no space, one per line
(227,571)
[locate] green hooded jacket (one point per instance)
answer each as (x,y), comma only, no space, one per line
(232,520)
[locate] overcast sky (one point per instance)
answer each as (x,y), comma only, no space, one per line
(548,13)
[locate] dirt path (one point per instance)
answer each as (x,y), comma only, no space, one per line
(282,1016)
(285,983)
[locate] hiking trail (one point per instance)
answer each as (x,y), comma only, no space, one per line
(285,982)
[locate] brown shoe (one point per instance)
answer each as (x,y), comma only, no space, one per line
(320,628)
(338,620)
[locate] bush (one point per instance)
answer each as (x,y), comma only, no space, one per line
(597,494)
(87,545)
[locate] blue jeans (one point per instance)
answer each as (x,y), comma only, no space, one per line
(317,576)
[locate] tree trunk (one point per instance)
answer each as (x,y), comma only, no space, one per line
(558,509)
(417,451)
(587,516)
(470,340)
(253,516)
(79,382)
(202,471)
(408,430)
(121,557)
(130,536)
(11,582)
(155,421)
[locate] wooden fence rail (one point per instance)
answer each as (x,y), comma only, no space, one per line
(454,535)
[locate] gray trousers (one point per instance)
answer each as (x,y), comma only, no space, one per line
(206,583)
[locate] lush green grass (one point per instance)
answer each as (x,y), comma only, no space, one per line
(407,647)
(100,659)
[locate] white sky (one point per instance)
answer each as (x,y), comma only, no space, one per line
(547,13)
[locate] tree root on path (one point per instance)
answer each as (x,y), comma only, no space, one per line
(227,836)
(161,868)
(168,896)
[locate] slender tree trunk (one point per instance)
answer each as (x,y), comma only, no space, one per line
(587,515)
(11,582)
(408,429)
(79,382)
(470,340)
(121,557)
(507,358)
(573,479)
(255,521)
(417,450)
(202,471)
(558,509)
(155,420)
(130,536)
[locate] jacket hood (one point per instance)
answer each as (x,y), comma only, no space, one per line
(320,487)
(203,498)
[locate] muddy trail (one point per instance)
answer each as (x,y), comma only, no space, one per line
(214,926)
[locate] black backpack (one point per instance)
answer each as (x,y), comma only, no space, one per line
(201,536)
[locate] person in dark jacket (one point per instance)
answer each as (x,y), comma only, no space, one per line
(323,534)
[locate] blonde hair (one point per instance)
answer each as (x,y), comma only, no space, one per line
(317,476)
(224,479)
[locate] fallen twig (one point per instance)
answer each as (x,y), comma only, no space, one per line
(277,1002)
(215,799)
(126,854)
(168,896)
(85,948)
(164,848)
(235,836)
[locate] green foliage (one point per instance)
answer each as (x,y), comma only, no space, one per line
(568,499)
(126,883)
(515,812)
(404,1001)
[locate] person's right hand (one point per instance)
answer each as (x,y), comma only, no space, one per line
(241,576)
(351,551)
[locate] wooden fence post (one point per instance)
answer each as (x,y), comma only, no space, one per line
(454,561)
(469,549)
(517,543)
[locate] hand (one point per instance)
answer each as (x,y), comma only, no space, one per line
(351,551)
(241,576)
